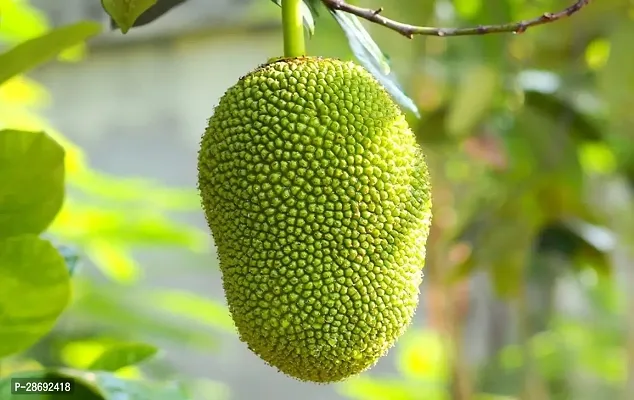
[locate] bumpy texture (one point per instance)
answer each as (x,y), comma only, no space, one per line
(318,198)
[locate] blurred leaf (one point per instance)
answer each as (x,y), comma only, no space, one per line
(501,239)
(24,92)
(100,386)
(22,118)
(125,12)
(193,306)
(140,192)
(34,290)
(423,355)
(160,8)
(123,355)
(73,54)
(80,353)
(372,58)
(111,387)
(32,176)
(128,312)
(492,47)
(473,99)
(33,52)
(615,80)
(21,21)
(83,223)
(486,396)
(597,157)
(579,125)
(594,245)
(206,389)
(309,11)
(113,260)
(80,391)
(367,388)
(431,129)
(597,53)
(542,150)
(468,8)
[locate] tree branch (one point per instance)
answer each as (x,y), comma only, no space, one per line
(410,30)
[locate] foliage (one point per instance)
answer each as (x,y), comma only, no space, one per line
(43,226)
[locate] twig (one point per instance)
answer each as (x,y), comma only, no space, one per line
(410,30)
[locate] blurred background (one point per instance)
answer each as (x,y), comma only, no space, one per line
(530,143)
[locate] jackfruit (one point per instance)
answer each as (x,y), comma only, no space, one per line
(319,202)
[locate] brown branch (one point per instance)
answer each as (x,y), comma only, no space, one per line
(410,30)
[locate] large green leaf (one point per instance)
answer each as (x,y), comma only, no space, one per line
(122,355)
(125,12)
(32,176)
(34,290)
(33,52)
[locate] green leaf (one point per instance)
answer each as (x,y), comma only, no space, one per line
(424,356)
(110,387)
(580,125)
(193,306)
(151,14)
(33,52)
(123,355)
(127,312)
(21,21)
(308,11)
(372,58)
(615,79)
(32,176)
(502,238)
(542,149)
(473,99)
(99,386)
(125,12)
(34,290)
(366,388)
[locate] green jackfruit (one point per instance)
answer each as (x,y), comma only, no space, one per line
(318,198)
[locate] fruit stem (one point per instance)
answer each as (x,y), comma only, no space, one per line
(293,28)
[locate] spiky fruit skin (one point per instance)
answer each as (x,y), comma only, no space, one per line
(318,199)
